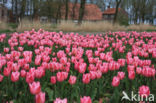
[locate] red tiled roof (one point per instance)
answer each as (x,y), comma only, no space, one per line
(92,12)
(111,11)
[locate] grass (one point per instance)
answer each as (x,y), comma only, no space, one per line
(7,27)
(29,25)
(100,26)
(141,27)
(69,26)
(4,26)
(6,31)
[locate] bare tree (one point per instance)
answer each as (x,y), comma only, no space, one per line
(81,11)
(73,9)
(146,6)
(35,9)
(67,9)
(23,6)
(118,2)
(58,12)
(135,6)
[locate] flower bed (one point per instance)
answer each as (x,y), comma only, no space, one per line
(45,67)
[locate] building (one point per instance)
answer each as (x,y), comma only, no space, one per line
(4,12)
(110,13)
(92,12)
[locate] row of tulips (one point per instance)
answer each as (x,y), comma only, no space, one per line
(44,67)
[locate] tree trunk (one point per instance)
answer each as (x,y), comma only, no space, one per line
(12,5)
(66,14)
(16,10)
(58,13)
(81,11)
(116,11)
(74,7)
(22,12)
(136,18)
(35,9)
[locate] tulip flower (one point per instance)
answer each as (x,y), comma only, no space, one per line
(40,98)
(72,80)
(58,100)
(30,77)
(35,88)
(115,81)
(53,79)
(121,75)
(82,67)
(15,76)
(86,78)
(85,99)
(131,75)
(144,91)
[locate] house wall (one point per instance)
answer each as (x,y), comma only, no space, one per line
(108,17)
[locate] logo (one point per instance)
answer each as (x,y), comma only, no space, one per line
(137,97)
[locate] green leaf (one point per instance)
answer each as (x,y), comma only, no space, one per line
(94,92)
(50,94)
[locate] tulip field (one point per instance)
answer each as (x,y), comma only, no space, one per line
(56,67)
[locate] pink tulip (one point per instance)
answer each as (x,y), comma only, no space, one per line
(82,68)
(98,74)
(72,80)
(23,73)
(53,79)
(144,91)
(61,76)
(115,81)
(86,78)
(6,50)
(39,73)
(92,75)
(40,98)
(121,75)
(15,76)
(131,75)
(85,99)
(6,71)
(138,70)
(30,77)
(20,49)
(63,60)
(35,88)
(131,68)
(58,100)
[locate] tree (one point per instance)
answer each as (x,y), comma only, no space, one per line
(66,13)
(58,12)
(73,9)
(118,2)
(35,9)
(146,7)
(23,6)
(135,9)
(81,11)
(100,3)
